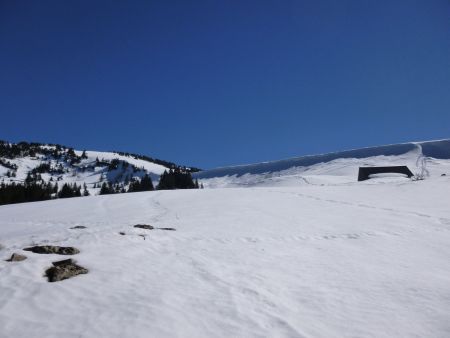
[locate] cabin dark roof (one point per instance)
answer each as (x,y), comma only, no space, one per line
(365,172)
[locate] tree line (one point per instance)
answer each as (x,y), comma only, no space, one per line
(35,189)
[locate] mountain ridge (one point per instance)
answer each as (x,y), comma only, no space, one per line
(433,148)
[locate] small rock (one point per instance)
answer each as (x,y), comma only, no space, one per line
(63,270)
(122,233)
(170,229)
(63,262)
(50,249)
(16,258)
(78,227)
(144,226)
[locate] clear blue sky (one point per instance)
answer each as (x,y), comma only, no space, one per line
(212,83)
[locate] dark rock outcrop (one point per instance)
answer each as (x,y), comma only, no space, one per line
(144,226)
(51,249)
(150,227)
(64,269)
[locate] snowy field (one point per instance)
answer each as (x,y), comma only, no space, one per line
(300,250)
(302,256)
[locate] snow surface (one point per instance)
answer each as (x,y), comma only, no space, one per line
(304,252)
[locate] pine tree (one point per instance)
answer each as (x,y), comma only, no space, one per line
(85,191)
(76,190)
(28,179)
(104,190)
(176,179)
(146,183)
(107,188)
(66,191)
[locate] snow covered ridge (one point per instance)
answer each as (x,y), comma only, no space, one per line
(434,149)
(61,164)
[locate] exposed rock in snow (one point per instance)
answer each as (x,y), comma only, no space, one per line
(15,257)
(144,226)
(51,249)
(64,269)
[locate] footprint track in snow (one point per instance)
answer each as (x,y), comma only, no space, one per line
(282,239)
(442,221)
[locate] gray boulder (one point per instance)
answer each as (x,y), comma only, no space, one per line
(15,257)
(64,269)
(51,249)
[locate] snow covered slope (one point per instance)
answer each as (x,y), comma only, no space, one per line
(332,168)
(367,259)
(65,165)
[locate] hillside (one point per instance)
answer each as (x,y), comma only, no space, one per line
(300,250)
(365,259)
(59,164)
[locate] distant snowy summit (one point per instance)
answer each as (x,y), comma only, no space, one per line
(328,168)
(59,165)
